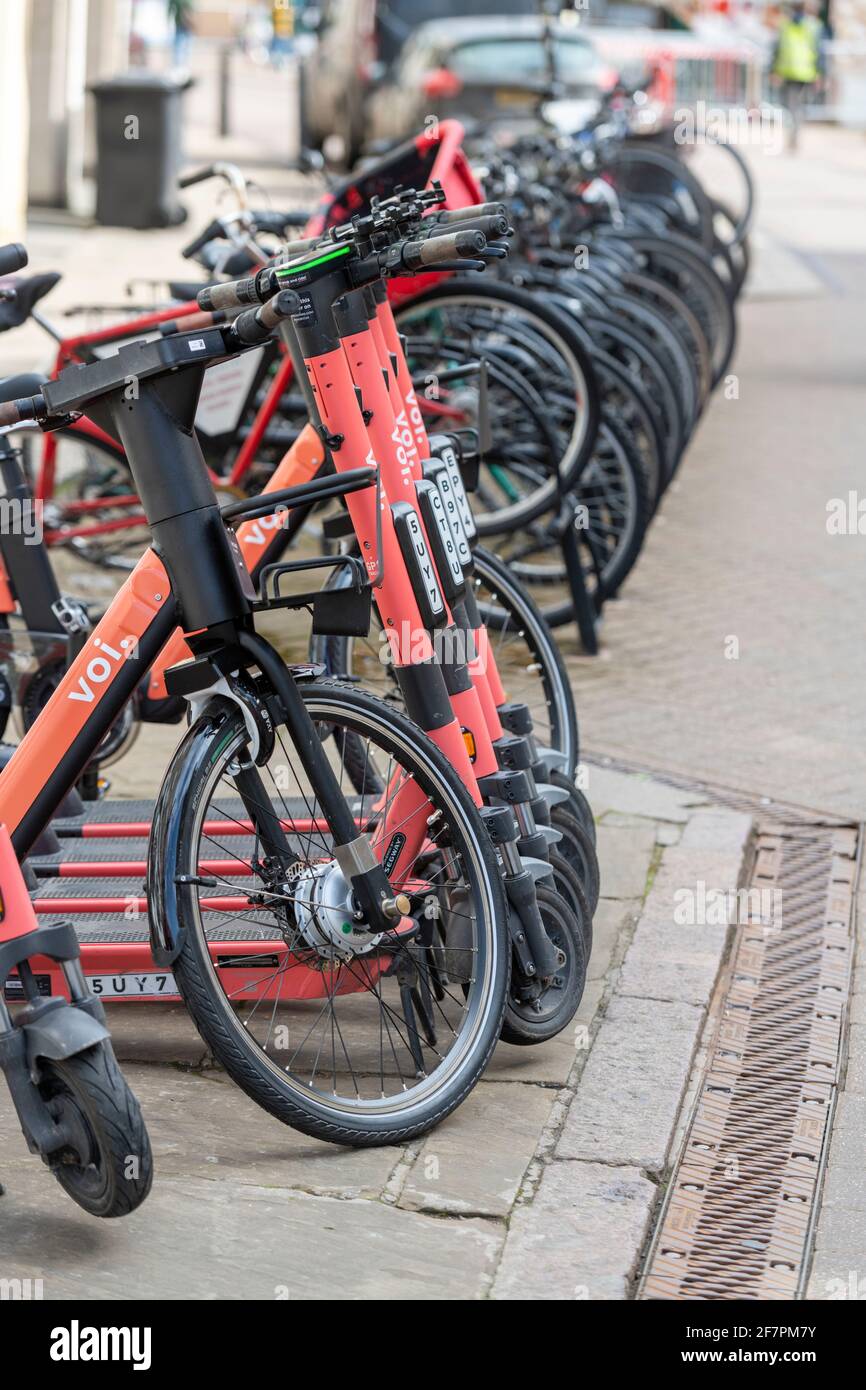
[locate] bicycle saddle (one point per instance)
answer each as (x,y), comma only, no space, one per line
(28,292)
(12,388)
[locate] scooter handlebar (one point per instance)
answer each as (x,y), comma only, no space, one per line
(453,246)
(256,325)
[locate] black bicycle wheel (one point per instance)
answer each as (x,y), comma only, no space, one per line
(612,519)
(349,1036)
(512,316)
(528,660)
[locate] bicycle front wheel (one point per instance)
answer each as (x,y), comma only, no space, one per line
(347,1035)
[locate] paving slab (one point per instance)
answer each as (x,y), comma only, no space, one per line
(474,1162)
(855,1071)
(624,856)
(668,961)
(202,1125)
(549,1064)
(155,1033)
(195,1239)
(845,1177)
(581,1236)
(724,832)
(698,870)
(613,918)
(626,1104)
(638,795)
(834,1277)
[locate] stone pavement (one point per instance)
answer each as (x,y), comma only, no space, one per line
(839,1264)
(546,1181)
(543,1184)
(736,652)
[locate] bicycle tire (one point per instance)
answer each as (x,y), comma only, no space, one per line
(213,742)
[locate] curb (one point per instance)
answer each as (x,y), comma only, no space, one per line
(583,1233)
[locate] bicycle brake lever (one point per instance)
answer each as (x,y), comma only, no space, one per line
(448,265)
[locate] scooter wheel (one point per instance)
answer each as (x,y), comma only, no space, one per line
(532,1017)
(577,802)
(578,849)
(107,1164)
(569,887)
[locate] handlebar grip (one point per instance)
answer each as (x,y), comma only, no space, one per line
(453,246)
(12,257)
(282,306)
(198,176)
(299,248)
(234,294)
(491,226)
(190,323)
(212,232)
(255,325)
(25,408)
(471,214)
(278,222)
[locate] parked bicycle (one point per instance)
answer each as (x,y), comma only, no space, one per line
(217,608)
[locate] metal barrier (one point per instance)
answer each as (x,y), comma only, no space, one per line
(690,70)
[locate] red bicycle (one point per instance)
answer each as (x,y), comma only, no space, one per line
(252,408)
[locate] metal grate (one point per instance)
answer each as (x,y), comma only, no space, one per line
(738,1215)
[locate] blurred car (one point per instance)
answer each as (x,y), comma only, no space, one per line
(357,46)
(485,70)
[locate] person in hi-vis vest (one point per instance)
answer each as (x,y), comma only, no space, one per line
(797,62)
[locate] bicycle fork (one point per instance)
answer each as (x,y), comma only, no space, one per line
(391,540)
(506,761)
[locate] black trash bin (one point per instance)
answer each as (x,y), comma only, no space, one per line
(138,149)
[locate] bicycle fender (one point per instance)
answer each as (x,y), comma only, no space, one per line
(163,892)
(61,1033)
(552,759)
(549,792)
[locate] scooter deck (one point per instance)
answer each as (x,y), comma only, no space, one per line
(96,880)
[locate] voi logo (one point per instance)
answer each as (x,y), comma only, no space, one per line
(101,668)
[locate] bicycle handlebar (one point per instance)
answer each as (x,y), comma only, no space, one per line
(12,257)
(198,176)
(277,223)
(191,323)
(212,232)
(220,169)
(433,246)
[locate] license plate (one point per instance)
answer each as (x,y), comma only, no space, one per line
(133,986)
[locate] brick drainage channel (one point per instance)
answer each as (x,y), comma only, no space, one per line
(738,1217)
